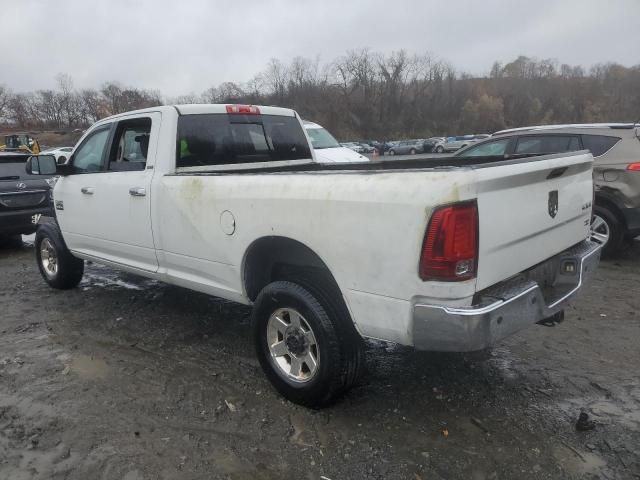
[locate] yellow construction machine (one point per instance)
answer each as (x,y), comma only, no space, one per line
(20,142)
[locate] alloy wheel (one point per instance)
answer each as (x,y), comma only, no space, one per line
(292,345)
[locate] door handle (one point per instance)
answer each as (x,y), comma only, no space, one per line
(137,192)
(87,190)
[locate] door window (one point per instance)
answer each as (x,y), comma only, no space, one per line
(88,156)
(488,149)
(599,144)
(130,145)
(545,144)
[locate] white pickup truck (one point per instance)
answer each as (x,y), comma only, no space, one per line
(439,254)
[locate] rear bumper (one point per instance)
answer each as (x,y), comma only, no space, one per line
(502,310)
(22,221)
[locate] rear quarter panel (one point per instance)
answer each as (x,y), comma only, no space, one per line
(367,228)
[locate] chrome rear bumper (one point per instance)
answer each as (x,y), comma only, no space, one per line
(502,310)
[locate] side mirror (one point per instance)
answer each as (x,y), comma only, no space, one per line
(41,165)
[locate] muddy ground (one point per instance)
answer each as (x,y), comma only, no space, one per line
(125,378)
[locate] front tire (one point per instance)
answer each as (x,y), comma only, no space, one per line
(57,266)
(392,152)
(413,151)
(440,149)
(302,346)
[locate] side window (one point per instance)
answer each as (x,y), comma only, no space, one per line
(88,156)
(489,149)
(130,145)
(599,144)
(220,139)
(544,144)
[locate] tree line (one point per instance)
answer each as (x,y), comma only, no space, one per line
(371,95)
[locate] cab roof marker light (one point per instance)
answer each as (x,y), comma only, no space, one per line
(243,109)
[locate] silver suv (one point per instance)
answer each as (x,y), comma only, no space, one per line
(616,151)
(407,147)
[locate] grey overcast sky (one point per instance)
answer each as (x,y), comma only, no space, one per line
(181,47)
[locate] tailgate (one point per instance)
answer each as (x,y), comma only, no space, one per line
(530,211)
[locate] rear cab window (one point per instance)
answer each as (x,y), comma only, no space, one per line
(217,139)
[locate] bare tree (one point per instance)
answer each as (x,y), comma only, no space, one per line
(367,94)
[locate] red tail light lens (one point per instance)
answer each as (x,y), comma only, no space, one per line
(450,249)
(243,109)
(634,167)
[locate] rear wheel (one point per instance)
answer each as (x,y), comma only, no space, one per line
(440,149)
(413,151)
(392,152)
(607,229)
(302,345)
(58,267)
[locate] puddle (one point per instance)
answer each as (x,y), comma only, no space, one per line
(621,408)
(100,276)
(578,463)
(26,406)
(89,367)
(503,360)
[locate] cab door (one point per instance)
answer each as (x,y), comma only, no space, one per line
(107,213)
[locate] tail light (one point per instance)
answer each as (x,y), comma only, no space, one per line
(243,109)
(450,248)
(635,167)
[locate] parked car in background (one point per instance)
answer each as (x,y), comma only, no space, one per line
(481,136)
(356,147)
(23,197)
(407,147)
(451,144)
(327,148)
(366,147)
(381,147)
(62,154)
(616,151)
(430,144)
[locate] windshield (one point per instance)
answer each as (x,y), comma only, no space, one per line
(320,138)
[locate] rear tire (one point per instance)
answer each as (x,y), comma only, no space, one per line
(392,152)
(413,151)
(336,360)
(440,149)
(615,227)
(57,266)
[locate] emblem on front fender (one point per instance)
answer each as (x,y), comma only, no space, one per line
(553,203)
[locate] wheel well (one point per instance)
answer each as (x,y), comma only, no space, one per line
(613,208)
(271,258)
